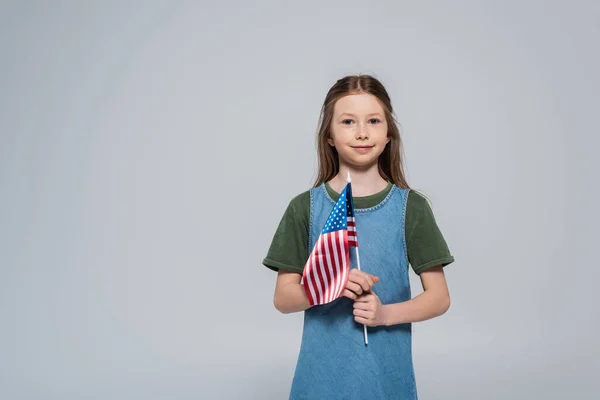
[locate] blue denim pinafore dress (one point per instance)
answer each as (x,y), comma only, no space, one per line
(334,362)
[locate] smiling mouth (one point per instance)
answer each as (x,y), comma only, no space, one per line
(362,149)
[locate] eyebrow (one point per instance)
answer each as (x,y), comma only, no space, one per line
(369,115)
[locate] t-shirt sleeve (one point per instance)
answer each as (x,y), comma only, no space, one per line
(425,243)
(289,247)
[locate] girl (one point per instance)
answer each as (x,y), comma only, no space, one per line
(395,227)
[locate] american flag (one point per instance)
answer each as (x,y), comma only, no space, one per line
(326,271)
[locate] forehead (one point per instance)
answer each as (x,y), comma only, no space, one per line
(360,103)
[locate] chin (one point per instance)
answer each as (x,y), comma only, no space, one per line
(360,161)
(360,164)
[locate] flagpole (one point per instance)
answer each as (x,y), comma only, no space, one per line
(358,264)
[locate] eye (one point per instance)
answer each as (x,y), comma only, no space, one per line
(374,121)
(347,121)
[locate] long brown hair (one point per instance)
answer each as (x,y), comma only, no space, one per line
(390,161)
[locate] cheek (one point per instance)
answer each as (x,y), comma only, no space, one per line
(340,136)
(381,136)
(384,134)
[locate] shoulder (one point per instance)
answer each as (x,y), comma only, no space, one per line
(289,246)
(418,212)
(416,203)
(298,208)
(300,204)
(301,200)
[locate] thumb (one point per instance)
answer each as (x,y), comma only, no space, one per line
(375,278)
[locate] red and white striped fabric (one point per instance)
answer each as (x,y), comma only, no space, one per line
(352,240)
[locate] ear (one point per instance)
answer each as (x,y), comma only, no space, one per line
(330,141)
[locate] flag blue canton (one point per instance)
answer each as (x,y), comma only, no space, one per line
(338,218)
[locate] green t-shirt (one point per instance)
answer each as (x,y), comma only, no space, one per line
(425,244)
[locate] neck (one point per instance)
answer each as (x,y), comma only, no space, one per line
(365,182)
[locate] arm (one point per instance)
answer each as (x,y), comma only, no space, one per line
(289,295)
(433,302)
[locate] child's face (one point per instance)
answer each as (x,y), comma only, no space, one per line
(358,129)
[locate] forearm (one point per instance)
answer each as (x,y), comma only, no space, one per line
(427,305)
(290,298)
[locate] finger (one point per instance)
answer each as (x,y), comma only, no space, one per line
(349,294)
(364,321)
(362,313)
(365,286)
(364,298)
(375,278)
(363,279)
(354,287)
(354,272)
(361,305)
(369,279)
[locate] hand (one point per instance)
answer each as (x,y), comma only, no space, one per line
(368,310)
(358,283)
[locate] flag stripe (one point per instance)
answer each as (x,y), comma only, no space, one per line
(338,266)
(315,279)
(326,263)
(328,254)
(309,283)
(343,265)
(346,258)
(352,240)
(317,273)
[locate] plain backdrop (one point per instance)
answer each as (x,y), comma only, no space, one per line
(149,149)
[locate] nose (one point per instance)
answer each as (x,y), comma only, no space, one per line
(361,132)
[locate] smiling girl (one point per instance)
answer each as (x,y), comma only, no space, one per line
(358,134)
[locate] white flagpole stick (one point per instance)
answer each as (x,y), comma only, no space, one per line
(358,263)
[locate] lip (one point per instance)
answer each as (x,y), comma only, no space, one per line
(362,149)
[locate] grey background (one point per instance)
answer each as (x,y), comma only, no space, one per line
(149,149)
